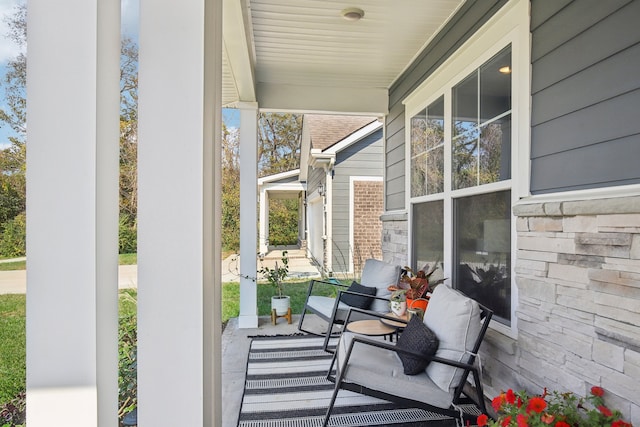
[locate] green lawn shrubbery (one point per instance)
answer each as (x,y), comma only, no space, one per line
(12,335)
(12,350)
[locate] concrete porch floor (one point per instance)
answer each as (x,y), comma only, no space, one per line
(235,351)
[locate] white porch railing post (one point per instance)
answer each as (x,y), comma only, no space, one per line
(72,241)
(248,216)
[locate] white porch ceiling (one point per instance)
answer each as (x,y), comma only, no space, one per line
(302,55)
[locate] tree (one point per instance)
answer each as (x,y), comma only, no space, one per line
(280,137)
(230,189)
(128,146)
(13,158)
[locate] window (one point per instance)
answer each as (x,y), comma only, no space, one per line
(460,180)
(467,130)
(427,150)
(482,250)
(428,235)
(482,124)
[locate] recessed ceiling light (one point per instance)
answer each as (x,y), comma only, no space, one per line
(505,70)
(352,14)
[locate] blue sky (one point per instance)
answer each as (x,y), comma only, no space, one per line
(9,50)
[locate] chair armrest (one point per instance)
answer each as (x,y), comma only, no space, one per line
(375,313)
(393,347)
(313,282)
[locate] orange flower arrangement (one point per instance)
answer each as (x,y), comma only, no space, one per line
(552,410)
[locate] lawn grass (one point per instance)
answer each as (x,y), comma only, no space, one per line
(13,318)
(12,350)
(128,259)
(13,265)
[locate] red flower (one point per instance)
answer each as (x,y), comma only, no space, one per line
(605,411)
(597,391)
(511,397)
(506,421)
(620,423)
(519,402)
(562,424)
(536,404)
(498,401)
(522,420)
(482,420)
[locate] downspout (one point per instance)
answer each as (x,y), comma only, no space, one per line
(328,207)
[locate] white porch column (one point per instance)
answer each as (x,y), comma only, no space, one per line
(72,203)
(248,198)
(264,221)
(178,213)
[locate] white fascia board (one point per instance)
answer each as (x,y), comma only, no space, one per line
(354,137)
(321,99)
(320,159)
(305,148)
(284,186)
(278,176)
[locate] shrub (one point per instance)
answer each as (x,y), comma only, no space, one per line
(14,237)
(283,222)
(553,409)
(127,235)
(127,354)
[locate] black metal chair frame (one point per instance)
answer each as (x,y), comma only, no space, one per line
(469,367)
(340,289)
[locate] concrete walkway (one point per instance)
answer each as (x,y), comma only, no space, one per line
(15,281)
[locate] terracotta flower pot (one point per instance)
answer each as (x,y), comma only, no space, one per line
(417,303)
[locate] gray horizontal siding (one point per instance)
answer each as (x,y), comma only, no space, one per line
(471,16)
(614,33)
(364,158)
(585,95)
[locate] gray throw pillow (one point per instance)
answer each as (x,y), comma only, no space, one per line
(359,301)
(418,338)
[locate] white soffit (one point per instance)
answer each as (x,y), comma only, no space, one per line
(307,44)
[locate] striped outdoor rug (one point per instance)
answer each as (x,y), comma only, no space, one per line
(286,386)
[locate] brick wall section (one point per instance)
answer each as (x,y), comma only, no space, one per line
(367,227)
(578,279)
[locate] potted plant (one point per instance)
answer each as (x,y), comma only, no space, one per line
(398,302)
(417,285)
(280,303)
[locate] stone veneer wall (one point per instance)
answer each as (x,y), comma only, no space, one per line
(578,315)
(395,238)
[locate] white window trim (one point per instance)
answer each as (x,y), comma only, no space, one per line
(510,25)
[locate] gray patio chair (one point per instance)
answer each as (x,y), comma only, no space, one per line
(370,294)
(397,372)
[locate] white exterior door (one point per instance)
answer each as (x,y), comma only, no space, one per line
(315,244)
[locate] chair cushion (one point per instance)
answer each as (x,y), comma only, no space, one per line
(380,369)
(380,274)
(455,319)
(418,338)
(357,300)
(323,306)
